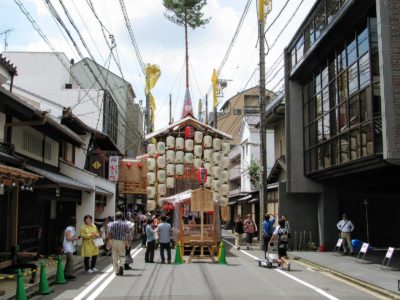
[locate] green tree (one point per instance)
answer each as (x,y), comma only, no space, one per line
(186,13)
(254,173)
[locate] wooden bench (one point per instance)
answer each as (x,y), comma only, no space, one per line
(201,244)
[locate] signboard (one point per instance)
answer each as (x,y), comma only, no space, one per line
(113,168)
(364,248)
(202,200)
(389,253)
(132,176)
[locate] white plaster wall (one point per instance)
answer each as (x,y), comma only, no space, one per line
(270,150)
(109,209)
(80,153)
(87,207)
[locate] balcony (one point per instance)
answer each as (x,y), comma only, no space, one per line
(234,172)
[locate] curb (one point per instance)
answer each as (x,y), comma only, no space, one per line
(366,285)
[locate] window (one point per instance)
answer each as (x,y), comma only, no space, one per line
(47,150)
(110,117)
(32,143)
(237,112)
(353,78)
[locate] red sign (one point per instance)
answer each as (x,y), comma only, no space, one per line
(202,175)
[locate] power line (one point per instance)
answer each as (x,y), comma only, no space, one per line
(276,18)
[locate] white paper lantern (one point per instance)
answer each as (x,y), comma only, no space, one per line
(151,164)
(170,141)
(217,144)
(179,143)
(161,162)
(179,169)
(225,162)
(189,157)
(171,156)
(151,192)
(151,149)
(208,155)
(208,167)
(216,185)
(216,172)
(197,163)
(209,181)
(170,170)
(170,182)
(217,158)
(198,151)
(151,178)
(224,189)
(151,205)
(216,197)
(162,189)
(225,148)
(207,141)
(179,157)
(198,137)
(161,176)
(225,176)
(189,145)
(161,147)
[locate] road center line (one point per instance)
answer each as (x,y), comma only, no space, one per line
(318,290)
(98,280)
(107,282)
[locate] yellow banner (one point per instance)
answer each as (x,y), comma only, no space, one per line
(264,8)
(153,108)
(214,80)
(152,74)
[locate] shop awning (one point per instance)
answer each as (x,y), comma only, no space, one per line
(244,198)
(61,180)
(102,192)
(254,200)
(7,171)
(186,195)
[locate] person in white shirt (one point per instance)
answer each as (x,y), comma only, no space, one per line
(346,227)
(69,242)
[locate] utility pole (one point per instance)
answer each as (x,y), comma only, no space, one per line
(6,33)
(170,109)
(148,116)
(207,109)
(263,146)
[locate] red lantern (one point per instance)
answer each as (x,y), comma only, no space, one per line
(188,132)
(202,175)
(128,164)
(140,165)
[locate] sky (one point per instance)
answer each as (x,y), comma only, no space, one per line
(162,43)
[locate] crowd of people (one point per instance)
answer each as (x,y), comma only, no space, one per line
(115,236)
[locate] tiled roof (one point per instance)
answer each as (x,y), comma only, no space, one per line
(7,64)
(252,120)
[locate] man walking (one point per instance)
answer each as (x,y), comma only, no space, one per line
(164,234)
(118,238)
(346,227)
(129,238)
(151,242)
(268,230)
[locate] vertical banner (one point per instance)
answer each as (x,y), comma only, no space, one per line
(113,168)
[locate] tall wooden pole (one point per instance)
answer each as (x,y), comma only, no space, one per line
(206,109)
(187,56)
(263,146)
(170,109)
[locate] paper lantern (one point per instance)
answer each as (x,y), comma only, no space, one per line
(216,185)
(151,178)
(151,205)
(189,157)
(209,181)
(171,156)
(225,148)
(162,189)
(217,158)
(216,172)
(179,169)
(217,144)
(170,182)
(161,147)
(161,162)
(198,151)
(216,197)
(224,189)
(208,167)
(170,170)
(179,157)
(151,164)
(170,142)
(189,145)
(198,137)
(208,155)
(207,141)
(197,163)
(225,162)
(151,192)
(225,176)
(179,143)
(151,149)
(161,176)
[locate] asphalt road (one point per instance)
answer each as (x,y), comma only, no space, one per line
(242,278)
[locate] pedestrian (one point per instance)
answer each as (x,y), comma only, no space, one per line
(164,234)
(129,239)
(346,227)
(250,228)
(151,242)
(104,234)
(70,238)
(89,250)
(287,225)
(117,235)
(268,230)
(238,231)
(281,234)
(143,232)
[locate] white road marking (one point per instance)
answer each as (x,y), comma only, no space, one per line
(98,280)
(318,290)
(107,282)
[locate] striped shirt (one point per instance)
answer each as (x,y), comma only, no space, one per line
(118,230)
